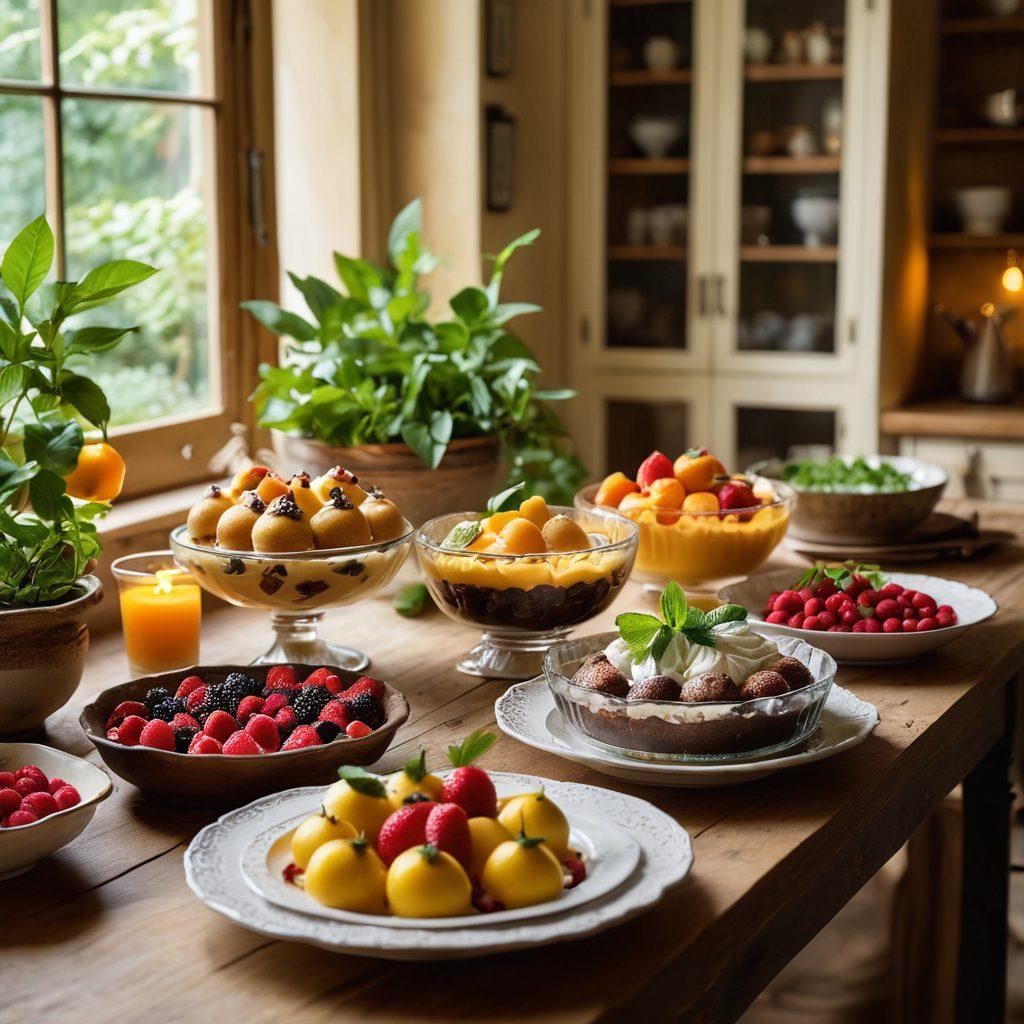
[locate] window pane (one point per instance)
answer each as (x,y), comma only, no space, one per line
(130,44)
(137,185)
(23,196)
(19,39)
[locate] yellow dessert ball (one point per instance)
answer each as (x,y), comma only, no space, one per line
(316,830)
(205,514)
(272,486)
(667,493)
(234,528)
(522,872)
(700,501)
(366,810)
(537,815)
(282,527)
(304,495)
(536,510)
(561,533)
(338,477)
(340,524)
(427,882)
(347,874)
(485,836)
(386,522)
(246,480)
(521,537)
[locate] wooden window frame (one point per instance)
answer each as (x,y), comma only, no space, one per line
(166,453)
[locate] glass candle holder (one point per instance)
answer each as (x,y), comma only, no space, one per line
(161,609)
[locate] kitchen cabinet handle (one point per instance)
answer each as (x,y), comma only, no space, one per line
(702,295)
(720,294)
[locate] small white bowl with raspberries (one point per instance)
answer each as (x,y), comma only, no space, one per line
(47,798)
(859,614)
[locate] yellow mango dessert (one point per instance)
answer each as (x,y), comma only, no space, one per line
(205,514)
(340,524)
(235,526)
(283,527)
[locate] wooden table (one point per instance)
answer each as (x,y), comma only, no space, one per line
(107,928)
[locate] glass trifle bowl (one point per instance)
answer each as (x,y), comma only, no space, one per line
(525,602)
(296,587)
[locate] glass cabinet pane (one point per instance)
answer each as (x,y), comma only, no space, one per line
(792,140)
(650,73)
(634,429)
(765,433)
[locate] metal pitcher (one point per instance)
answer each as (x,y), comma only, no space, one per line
(987,371)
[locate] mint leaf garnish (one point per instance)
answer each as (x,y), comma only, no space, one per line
(726,613)
(411,600)
(362,781)
(473,746)
(462,535)
(673,606)
(497,502)
(639,631)
(648,636)
(416,767)
(841,575)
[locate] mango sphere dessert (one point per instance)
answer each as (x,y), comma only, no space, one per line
(235,526)
(386,522)
(283,527)
(246,480)
(205,514)
(340,524)
(304,495)
(339,477)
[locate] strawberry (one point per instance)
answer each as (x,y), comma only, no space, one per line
(123,710)
(183,721)
(577,871)
(249,706)
(187,685)
(10,801)
(736,494)
(357,730)
(274,703)
(130,730)
(158,734)
(195,698)
(471,788)
(7,779)
(318,677)
(220,725)
(302,736)
(29,784)
(337,713)
(404,829)
(366,684)
(282,677)
(656,466)
(241,744)
(203,744)
(447,828)
(263,730)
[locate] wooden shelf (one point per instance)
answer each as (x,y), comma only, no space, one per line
(792,72)
(648,165)
(789,253)
(791,165)
(957,240)
(953,136)
(670,253)
(979,26)
(950,417)
(647,76)
(646,3)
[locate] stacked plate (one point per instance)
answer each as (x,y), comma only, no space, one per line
(633,852)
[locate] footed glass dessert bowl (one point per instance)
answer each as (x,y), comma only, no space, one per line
(525,601)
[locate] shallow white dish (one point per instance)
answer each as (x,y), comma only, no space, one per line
(212,870)
(23,847)
(610,854)
(971,605)
(527,712)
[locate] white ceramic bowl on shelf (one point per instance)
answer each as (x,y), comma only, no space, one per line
(983,209)
(656,134)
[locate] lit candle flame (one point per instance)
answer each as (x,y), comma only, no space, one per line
(163,581)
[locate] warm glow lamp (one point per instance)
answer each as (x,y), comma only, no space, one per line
(1013,276)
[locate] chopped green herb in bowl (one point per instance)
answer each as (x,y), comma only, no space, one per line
(839,475)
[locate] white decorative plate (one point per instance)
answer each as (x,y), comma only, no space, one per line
(212,870)
(610,854)
(971,605)
(527,712)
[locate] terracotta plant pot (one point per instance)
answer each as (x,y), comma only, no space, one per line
(466,478)
(42,655)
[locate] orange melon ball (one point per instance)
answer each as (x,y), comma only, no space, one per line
(614,488)
(536,510)
(667,493)
(521,537)
(272,486)
(561,533)
(700,501)
(634,503)
(697,472)
(247,479)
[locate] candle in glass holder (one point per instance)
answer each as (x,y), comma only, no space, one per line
(160,613)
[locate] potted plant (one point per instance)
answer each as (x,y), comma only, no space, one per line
(47,537)
(427,410)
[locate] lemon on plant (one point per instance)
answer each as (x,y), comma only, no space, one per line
(537,815)
(316,830)
(412,777)
(427,882)
(360,799)
(485,835)
(521,872)
(348,875)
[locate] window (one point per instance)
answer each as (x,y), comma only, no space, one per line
(134,124)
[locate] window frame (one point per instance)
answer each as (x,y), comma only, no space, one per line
(165,453)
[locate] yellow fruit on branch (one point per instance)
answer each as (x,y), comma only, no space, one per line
(98,475)
(427,882)
(347,874)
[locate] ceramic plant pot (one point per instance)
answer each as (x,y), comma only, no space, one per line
(466,478)
(42,655)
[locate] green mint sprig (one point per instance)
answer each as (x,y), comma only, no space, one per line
(648,636)
(463,534)
(841,574)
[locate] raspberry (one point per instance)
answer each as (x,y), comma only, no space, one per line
(796,621)
(926,624)
(868,598)
(857,583)
(203,744)
(910,625)
(828,619)
(55,784)
(806,594)
(274,703)
(30,771)
(735,495)
(286,720)
(188,685)
(789,601)
(814,606)
(327,731)
(945,619)
(336,713)
(183,738)
(131,730)
(921,599)
(825,588)
(124,709)
(248,707)
(220,725)
(872,626)
(892,590)
(302,736)
(6,780)
(263,730)
(10,801)
(66,796)
(357,730)
(577,869)
(778,618)
(487,904)
(241,744)
(158,734)
(21,817)
(282,677)
(835,602)
(366,708)
(195,698)
(366,684)
(40,804)
(28,784)
(812,622)
(887,608)
(892,625)
(183,721)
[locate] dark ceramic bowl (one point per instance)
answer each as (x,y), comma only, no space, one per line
(222,780)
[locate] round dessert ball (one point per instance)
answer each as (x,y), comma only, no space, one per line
(340,524)
(234,528)
(247,479)
(655,688)
(796,673)
(205,514)
(282,527)
(560,533)
(304,495)
(598,673)
(709,687)
(385,521)
(765,683)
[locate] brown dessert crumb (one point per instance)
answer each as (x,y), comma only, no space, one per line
(655,688)
(796,673)
(709,687)
(597,673)
(765,683)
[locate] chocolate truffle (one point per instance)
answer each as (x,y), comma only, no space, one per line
(796,673)
(765,683)
(709,687)
(655,688)
(598,673)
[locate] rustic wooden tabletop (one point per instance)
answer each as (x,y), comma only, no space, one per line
(108,928)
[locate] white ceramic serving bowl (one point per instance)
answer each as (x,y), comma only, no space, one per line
(661,53)
(817,217)
(983,209)
(23,847)
(656,134)
(971,605)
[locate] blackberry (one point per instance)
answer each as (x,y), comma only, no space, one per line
(218,698)
(251,686)
(268,690)
(367,709)
(155,696)
(183,739)
(167,708)
(327,731)
(309,702)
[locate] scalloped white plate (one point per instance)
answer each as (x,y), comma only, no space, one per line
(527,712)
(212,870)
(971,605)
(610,854)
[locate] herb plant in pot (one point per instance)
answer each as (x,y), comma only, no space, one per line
(53,483)
(429,411)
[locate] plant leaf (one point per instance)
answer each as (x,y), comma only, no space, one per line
(429,442)
(470,305)
(726,613)
(95,339)
(408,220)
(475,745)
(54,444)
(102,283)
(362,781)
(280,321)
(27,259)
(462,535)
(87,397)
(411,600)
(673,605)
(46,492)
(499,502)
(416,767)
(639,631)
(13,475)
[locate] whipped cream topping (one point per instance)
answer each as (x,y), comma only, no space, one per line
(738,652)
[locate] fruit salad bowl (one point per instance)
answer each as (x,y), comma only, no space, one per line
(22,846)
(224,780)
(525,602)
(296,587)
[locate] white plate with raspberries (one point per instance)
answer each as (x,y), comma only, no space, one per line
(861,615)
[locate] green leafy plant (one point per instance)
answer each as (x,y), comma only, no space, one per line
(369,367)
(838,475)
(841,574)
(43,404)
(648,636)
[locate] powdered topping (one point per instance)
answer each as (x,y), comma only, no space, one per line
(251,500)
(213,491)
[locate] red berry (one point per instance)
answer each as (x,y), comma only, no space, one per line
(655,467)
(910,625)
(404,829)
(472,789)
(796,621)
(124,709)
(828,619)
(263,729)
(887,608)
(487,904)
(195,698)
(826,588)
(187,685)
(203,744)
(868,598)
(806,594)
(318,677)
(923,625)
(113,735)
(66,796)
(157,734)
(577,869)
(10,801)
(30,771)
(7,780)
(29,784)
(921,600)
(909,614)
(944,619)
(282,677)
(893,625)
(843,628)
(850,616)
(929,611)
(778,618)
(55,784)
(302,736)
(274,703)
(21,817)
(908,596)
(857,584)
(336,712)
(447,828)
(835,602)
(736,495)
(241,744)
(249,706)
(286,720)
(789,601)
(946,609)
(333,684)
(872,626)
(183,721)
(357,730)
(772,598)
(814,606)
(131,730)
(834,629)
(860,626)
(40,804)
(220,725)
(366,684)
(813,622)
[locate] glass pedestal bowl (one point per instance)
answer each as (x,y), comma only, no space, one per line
(525,602)
(703,550)
(296,587)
